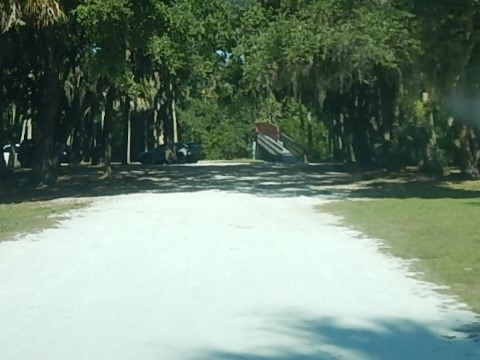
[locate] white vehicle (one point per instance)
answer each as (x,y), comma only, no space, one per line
(7,153)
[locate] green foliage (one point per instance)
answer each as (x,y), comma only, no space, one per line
(301,64)
(293,120)
(327,41)
(223,133)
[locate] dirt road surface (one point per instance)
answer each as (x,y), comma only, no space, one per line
(228,273)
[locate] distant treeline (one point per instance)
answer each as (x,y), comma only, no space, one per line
(382,83)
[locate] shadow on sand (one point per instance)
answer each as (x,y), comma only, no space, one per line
(263,179)
(325,338)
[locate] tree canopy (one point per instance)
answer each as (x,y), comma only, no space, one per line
(386,83)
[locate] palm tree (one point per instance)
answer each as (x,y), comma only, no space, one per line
(40,14)
(37,12)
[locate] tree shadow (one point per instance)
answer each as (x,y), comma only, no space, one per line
(262,179)
(327,338)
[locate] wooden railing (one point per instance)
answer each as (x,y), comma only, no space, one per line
(269,144)
(279,146)
(294,147)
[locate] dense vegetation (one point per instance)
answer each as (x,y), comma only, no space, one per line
(383,83)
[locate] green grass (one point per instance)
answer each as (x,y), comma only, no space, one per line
(28,217)
(444,234)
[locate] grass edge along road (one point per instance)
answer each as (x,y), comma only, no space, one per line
(30,217)
(441,234)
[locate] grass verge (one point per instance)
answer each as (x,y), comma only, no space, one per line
(28,217)
(443,234)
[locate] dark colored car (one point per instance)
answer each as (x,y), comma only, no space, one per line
(185,152)
(188,152)
(26,153)
(154,156)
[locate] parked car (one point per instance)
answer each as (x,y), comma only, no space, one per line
(26,153)
(188,152)
(7,151)
(154,156)
(184,152)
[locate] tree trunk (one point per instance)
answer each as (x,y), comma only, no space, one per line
(469,158)
(309,135)
(3,139)
(127,133)
(174,116)
(146,135)
(158,123)
(304,142)
(107,133)
(77,129)
(389,156)
(44,163)
(166,114)
(387,97)
(360,125)
(72,123)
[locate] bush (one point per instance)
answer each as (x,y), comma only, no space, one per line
(223,134)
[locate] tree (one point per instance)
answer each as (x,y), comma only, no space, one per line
(40,13)
(451,39)
(338,75)
(330,52)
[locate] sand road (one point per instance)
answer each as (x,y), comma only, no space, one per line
(217,275)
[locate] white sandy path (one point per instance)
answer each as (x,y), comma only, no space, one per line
(216,275)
